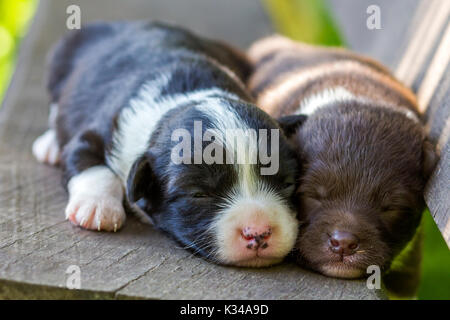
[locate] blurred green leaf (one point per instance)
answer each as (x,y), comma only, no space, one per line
(304,20)
(14,18)
(435,264)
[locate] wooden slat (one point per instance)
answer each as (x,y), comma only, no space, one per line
(433,86)
(37,245)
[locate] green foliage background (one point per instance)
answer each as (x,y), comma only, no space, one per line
(304,20)
(14,16)
(435,263)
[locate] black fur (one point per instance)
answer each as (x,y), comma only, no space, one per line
(95,72)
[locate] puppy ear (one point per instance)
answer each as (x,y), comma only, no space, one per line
(290,124)
(429,158)
(142,183)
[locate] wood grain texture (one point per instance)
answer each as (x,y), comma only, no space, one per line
(37,245)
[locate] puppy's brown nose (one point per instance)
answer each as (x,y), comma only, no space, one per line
(343,243)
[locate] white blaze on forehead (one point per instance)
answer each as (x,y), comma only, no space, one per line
(238,140)
(250,200)
(138,120)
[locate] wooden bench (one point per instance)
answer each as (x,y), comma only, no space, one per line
(37,245)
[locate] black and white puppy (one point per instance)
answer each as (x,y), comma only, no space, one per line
(119,92)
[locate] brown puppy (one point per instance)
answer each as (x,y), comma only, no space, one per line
(364,153)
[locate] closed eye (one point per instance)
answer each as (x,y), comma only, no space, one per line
(387,208)
(396,209)
(201,195)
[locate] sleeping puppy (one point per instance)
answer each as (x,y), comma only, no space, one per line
(125,96)
(365,155)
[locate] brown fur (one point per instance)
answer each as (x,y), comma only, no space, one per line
(365,158)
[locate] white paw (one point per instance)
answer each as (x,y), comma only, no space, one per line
(96,212)
(95,200)
(46,149)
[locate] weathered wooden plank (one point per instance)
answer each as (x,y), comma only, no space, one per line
(37,245)
(414,40)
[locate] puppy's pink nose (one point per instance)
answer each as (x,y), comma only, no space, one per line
(256,237)
(343,243)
